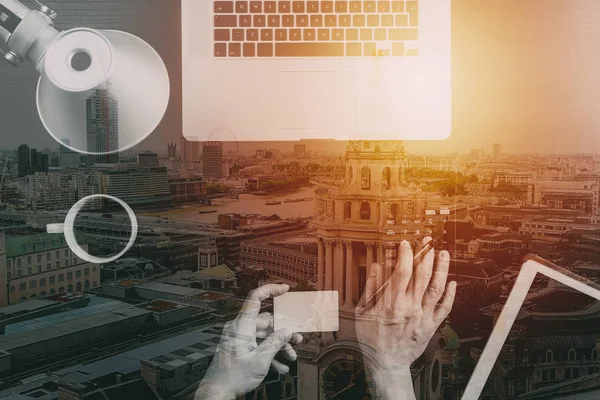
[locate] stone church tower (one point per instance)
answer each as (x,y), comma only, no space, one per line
(362,222)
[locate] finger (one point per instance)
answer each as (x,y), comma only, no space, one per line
(444,308)
(437,284)
(264,321)
(288,352)
(274,343)
(296,338)
(251,307)
(371,285)
(422,273)
(403,271)
(279,368)
(379,303)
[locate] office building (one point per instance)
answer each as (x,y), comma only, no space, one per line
(23,160)
(39,265)
(190,150)
(135,185)
(583,197)
(299,149)
(212,159)
(102,125)
(496,150)
(148,159)
(187,190)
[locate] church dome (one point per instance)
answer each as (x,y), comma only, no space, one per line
(450,337)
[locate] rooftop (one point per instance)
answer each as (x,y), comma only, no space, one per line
(159,306)
(21,245)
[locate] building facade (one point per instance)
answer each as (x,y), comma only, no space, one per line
(39,265)
(212,159)
(102,126)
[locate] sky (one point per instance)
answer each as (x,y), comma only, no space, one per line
(526,74)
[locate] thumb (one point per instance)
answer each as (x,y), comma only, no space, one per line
(274,343)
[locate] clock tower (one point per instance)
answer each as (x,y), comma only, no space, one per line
(360,223)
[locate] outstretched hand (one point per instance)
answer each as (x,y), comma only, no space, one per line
(240,364)
(404,318)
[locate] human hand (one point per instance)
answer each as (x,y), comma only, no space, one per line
(402,321)
(240,364)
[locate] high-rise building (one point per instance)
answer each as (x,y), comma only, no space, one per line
(496,150)
(33,160)
(102,125)
(148,159)
(212,159)
(172,150)
(23,160)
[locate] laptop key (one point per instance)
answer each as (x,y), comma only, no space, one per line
(310,34)
(270,7)
(316,20)
(237,35)
(245,21)
(288,21)
(337,34)
(326,6)
(281,35)
(397,6)
(354,49)
(370,49)
(249,50)
(331,20)
(235,50)
(402,20)
(309,49)
(366,34)
(383,6)
(220,49)
(265,49)
(274,21)
(301,21)
(312,7)
(370,6)
(341,7)
(387,20)
(398,49)
(373,20)
(403,34)
(260,21)
(358,20)
(284,7)
(295,34)
(222,35)
(380,34)
(266,35)
(241,7)
(323,35)
(223,7)
(298,7)
(256,6)
(252,35)
(351,34)
(345,20)
(225,21)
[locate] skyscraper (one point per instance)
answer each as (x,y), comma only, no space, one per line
(23,160)
(68,157)
(212,159)
(496,152)
(172,150)
(102,123)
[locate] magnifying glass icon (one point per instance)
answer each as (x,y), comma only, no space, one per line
(68,229)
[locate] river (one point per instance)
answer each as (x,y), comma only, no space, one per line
(247,204)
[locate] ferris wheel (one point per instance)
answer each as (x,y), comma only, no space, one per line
(224,134)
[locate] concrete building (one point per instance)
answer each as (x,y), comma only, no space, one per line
(496,149)
(212,159)
(148,159)
(583,197)
(102,126)
(293,258)
(186,190)
(41,265)
(172,150)
(519,179)
(137,186)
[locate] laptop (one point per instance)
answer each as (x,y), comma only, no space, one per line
(257,70)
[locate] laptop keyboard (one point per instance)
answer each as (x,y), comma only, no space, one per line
(278,29)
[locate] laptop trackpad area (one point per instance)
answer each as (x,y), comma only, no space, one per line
(316,100)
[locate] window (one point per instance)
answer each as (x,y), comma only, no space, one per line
(18,262)
(572,354)
(394,209)
(28,260)
(93,269)
(78,274)
(61,277)
(48,267)
(74,260)
(365,178)
(365,211)
(48,256)
(39,258)
(348,210)
(29,271)
(86,285)
(549,355)
(8,263)
(19,273)
(386,179)
(544,375)
(78,287)
(69,276)
(66,252)
(567,373)
(203,260)
(43,282)
(32,284)
(86,272)
(70,288)
(58,264)
(22,287)
(8,275)
(57,253)
(39,269)
(61,289)
(52,280)
(552,374)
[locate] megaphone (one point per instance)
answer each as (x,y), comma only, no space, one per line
(104,91)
